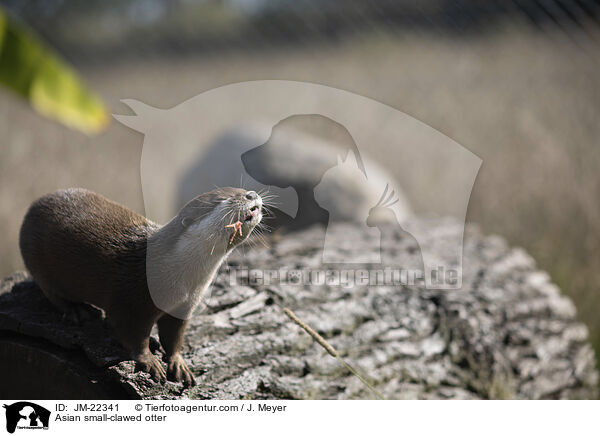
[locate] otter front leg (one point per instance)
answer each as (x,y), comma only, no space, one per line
(170,331)
(148,362)
(136,338)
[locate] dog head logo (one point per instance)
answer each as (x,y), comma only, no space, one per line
(265,136)
(26,415)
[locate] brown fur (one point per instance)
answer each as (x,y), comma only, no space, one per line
(81,247)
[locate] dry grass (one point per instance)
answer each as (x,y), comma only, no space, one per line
(527,103)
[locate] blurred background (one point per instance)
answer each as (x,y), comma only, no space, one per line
(514,81)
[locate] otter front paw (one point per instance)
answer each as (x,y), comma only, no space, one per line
(178,371)
(149,363)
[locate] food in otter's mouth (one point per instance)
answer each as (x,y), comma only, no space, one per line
(237,226)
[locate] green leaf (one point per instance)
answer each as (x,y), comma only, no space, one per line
(34,72)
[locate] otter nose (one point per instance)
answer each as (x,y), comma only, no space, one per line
(251,195)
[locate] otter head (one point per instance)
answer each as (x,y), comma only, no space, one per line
(224,217)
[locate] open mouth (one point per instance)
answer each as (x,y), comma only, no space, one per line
(254,210)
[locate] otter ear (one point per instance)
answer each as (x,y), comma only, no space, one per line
(185,217)
(187,221)
(195,210)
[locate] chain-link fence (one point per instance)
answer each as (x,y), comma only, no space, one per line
(96,30)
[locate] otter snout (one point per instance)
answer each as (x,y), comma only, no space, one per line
(252,210)
(231,212)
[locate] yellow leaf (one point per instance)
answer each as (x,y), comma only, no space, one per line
(52,88)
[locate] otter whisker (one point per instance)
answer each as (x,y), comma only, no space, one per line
(264,226)
(227,213)
(268,202)
(263,191)
(263,196)
(268,210)
(267,214)
(260,236)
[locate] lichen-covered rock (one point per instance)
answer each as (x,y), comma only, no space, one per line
(508,333)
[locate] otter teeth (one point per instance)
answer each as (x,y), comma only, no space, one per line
(253,212)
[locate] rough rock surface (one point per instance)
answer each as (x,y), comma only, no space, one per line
(508,333)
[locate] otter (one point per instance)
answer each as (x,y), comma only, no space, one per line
(82,248)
